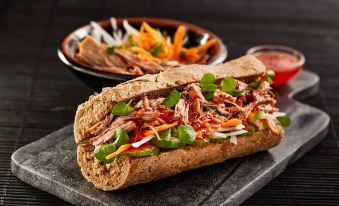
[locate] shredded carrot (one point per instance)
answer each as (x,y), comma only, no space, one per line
(204,47)
(149,37)
(121,149)
(152,32)
(251,116)
(144,53)
(93,127)
(178,40)
(160,128)
(191,55)
(231,123)
(199,135)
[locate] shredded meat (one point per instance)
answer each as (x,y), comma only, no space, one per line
(192,108)
(272,126)
(128,126)
(121,62)
(241,85)
(150,116)
(195,91)
(221,97)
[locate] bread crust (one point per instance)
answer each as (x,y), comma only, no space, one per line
(98,106)
(126,171)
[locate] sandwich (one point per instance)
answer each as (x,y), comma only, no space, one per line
(184,118)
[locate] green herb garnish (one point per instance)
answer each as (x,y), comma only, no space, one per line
(255,84)
(207,85)
(172,99)
(122,108)
(166,134)
(209,88)
(174,132)
(156,50)
(257,116)
(269,75)
(132,42)
(285,121)
(100,152)
(207,79)
(111,50)
(121,138)
(228,84)
(186,134)
(209,95)
(238,93)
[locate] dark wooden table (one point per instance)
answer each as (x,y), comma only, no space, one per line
(39,95)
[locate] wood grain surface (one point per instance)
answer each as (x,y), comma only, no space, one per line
(39,95)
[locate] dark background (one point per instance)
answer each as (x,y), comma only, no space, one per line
(39,95)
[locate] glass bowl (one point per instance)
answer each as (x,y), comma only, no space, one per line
(285,61)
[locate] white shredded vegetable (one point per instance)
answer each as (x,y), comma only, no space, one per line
(204,39)
(114,24)
(116,32)
(96,36)
(230,133)
(143,141)
(227,129)
(106,36)
(118,37)
(129,29)
(278,114)
(155,131)
(234,139)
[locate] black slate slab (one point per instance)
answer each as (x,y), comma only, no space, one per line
(50,163)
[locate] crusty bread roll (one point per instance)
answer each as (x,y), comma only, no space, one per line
(125,171)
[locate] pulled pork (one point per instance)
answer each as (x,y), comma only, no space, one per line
(193,108)
(121,62)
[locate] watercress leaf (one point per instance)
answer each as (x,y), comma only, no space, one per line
(257,116)
(102,151)
(228,84)
(156,50)
(174,132)
(238,93)
(111,50)
(268,79)
(209,95)
(186,134)
(285,121)
(255,84)
(207,79)
(166,134)
(121,138)
(132,42)
(270,73)
(122,108)
(209,88)
(172,99)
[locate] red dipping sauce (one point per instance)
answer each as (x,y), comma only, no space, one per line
(284,61)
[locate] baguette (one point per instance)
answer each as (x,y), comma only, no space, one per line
(125,171)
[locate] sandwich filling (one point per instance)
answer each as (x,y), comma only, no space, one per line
(201,113)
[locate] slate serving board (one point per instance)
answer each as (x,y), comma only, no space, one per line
(50,163)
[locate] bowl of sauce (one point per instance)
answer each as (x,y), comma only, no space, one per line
(285,61)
